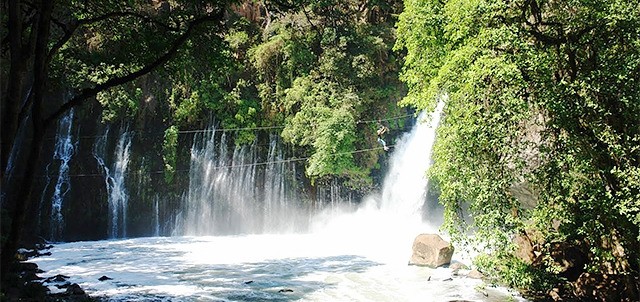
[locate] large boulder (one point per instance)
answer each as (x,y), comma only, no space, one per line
(431,250)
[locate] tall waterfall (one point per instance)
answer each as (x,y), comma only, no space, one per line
(387,222)
(239,193)
(115,181)
(63,151)
(405,185)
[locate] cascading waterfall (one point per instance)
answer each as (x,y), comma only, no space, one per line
(117,195)
(279,198)
(243,193)
(331,195)
(394,216)
(239,193)
(405,185)
(62,154)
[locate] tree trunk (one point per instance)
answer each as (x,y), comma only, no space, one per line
(19,203)
(13,98)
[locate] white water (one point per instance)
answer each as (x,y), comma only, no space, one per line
(156,217)
(349,255)
(118,197)
(240,193)
(63,152)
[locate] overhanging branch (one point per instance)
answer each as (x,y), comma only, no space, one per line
(93,91)
(70,29)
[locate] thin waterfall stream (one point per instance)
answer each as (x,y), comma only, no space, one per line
(114,177)
(64,149)
(237,241)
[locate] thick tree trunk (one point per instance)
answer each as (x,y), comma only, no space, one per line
(13,98)
(19,203)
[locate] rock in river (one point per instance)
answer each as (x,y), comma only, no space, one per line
(431,250)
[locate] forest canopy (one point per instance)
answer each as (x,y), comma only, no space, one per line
(539,142)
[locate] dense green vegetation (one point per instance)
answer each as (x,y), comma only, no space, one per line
(539,141)
(538,154)
(315,67)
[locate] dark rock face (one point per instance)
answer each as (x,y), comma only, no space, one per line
(568,258)
(57,278)
(431,250)
(607,287)
(104,278)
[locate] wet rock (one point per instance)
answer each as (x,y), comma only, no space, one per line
(64,285)
(457,266)
(248,282)
(104,278)
(75,289)
(475,274)
(57,278)
(431,250)
(73,293)
(24,254)
(43,246)
(28,266)
(33,291)
(28,271)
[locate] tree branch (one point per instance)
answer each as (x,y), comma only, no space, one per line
(70,31)
(126,14)
(91,92)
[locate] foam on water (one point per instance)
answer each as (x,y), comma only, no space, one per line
(251,268)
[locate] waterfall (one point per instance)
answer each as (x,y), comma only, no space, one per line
(405,185)
(394,216)
(62,153)
(117,195)
(241,192)
(156,216)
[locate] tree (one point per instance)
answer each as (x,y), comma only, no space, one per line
(325,65)
(543,99)
(77,49)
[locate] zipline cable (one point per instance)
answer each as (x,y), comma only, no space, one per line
(241,129)
(229,166)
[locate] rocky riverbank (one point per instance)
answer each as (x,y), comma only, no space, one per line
(25,284)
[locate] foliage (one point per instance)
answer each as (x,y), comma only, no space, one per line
(118,102)
(323,66)
(323,119)
(169,153)
(541,95)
